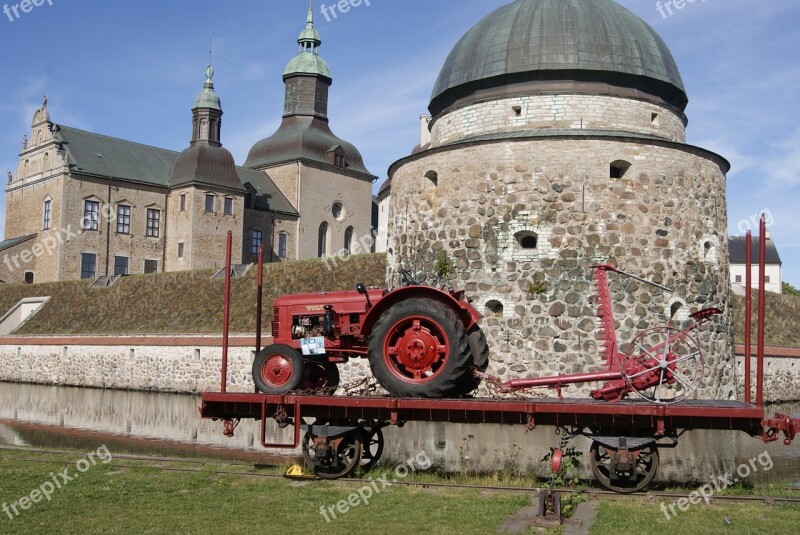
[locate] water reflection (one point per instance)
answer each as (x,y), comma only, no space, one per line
(169,424)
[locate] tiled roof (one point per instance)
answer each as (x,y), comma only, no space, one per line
(738,251)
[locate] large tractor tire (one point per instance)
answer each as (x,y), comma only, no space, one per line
(479,349)
(419,348)
(278,369)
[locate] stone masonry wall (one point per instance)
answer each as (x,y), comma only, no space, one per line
(560,112)
(653,223)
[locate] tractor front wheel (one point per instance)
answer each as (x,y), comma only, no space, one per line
(419,348)
(278,369)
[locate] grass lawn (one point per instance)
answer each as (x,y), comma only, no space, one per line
(140,499)
(616,517)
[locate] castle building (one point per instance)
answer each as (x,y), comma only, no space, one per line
(557,142)
(82,205)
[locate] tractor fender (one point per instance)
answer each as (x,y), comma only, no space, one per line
(469,315)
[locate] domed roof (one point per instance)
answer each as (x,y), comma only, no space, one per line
(208,98)
(205,165)
(308,63)
(560,40)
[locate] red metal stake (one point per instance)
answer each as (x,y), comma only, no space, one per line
(762,258)
(259,299)
(748,313)
(226,314)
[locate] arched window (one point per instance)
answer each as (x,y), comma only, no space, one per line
(46,161)
(526,240)
(348,239)
(494,308)
(322,245)
(619,168)
(203,129)
(29,277)
(433,176)
(26,167)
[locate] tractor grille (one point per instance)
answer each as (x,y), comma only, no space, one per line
(276,322)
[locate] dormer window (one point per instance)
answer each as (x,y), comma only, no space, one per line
(336,156)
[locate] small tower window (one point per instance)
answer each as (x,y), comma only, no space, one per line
(494,308)
(654,119)
(433,177)
(348,239)
(619,168)
(29,277)
(527,240)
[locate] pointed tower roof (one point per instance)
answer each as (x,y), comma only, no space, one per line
(308,61)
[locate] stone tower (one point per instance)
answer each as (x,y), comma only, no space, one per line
(206,196)
(558,142)
(322,175)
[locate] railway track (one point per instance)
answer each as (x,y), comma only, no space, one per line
(159,463)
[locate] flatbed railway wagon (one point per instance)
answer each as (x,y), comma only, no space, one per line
(426,350)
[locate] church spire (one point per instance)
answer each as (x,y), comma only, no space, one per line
(310,38)
(207,113)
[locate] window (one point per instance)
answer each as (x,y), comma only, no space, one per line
(338,160)
(91,211)
(29,277)
(183,202)
(348,239)
(283,240)
(121,265)
(150,266)
(46,222)
(433,176)
(153,222)
(88,265)
(766,279)
(738,278)
(619,168)
(209,203)
(180,250)
(494,308)
(527,240)
(258,239)
(123,219)
(322,242)
(228,206)
(338,212)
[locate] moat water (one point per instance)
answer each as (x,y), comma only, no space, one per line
(170,425)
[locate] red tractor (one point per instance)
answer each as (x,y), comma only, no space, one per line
(420,341)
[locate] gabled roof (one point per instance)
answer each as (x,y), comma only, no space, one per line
(738,251)
(121,159)
(143,164)
(7,244)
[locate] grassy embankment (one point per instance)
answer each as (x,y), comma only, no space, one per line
(185,302)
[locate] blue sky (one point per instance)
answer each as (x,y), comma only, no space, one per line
(131,69)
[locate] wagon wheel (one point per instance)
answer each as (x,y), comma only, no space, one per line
(320,376)
(373,447)
(633,479)
(664,365)
(338,458)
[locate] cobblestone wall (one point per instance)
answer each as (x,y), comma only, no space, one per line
(664,220)
(590,112)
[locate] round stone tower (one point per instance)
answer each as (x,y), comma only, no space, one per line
(558,143)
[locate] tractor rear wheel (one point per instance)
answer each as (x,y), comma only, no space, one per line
(419,348)
(480,358)
(278,369)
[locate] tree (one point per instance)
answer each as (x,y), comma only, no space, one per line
(788,289)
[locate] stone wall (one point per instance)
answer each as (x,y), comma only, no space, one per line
(559,111)
(652,222)
(781,378)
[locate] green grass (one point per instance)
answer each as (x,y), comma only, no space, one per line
(138,499)
(615,517)
(185,302)
(782,327)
